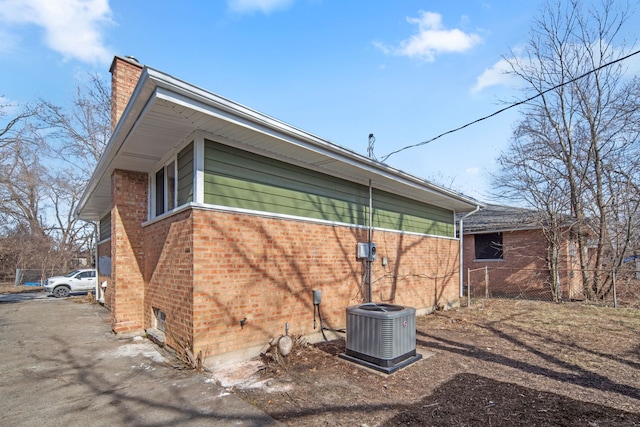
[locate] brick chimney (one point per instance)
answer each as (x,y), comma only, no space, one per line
(125,72)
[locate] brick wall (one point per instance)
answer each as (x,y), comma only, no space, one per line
(208,270)
(266,269)
(169,276)
(571,276)
(523,263)
(125,73)
(129,198)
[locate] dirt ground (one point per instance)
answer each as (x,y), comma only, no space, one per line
(10,288)
(497,363)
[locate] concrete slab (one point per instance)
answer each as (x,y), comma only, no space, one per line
(62,365)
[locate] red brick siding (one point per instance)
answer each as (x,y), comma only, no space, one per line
(125,74)
(571,273)
(169,275)
(208,270)
(523,266)
(129,196)
(266,269)
(523,263)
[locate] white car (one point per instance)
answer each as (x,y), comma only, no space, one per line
(76,281)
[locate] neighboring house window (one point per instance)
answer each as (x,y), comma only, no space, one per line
(173,182)
(488,246)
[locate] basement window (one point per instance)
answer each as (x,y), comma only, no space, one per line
(159,320)
(157,332)
(488,246)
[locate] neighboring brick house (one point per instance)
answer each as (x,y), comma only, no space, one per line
(217,222)
(509,242)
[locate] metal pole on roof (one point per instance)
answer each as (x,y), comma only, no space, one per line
(372,139)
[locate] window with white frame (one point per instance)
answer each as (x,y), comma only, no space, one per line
(173,183)
(165,189)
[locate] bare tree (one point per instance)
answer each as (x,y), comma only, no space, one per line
(571,140)
(76,138)
(46,157)
(79,135)
(9,131)
(25,240)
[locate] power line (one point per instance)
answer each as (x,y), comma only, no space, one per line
(384,158)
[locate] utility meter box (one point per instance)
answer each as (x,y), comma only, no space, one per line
(366,251)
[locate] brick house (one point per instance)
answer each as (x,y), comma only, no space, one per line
(216,222)
(509,242)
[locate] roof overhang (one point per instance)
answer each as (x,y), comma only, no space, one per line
(164,111)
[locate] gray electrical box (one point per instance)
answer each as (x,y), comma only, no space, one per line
(366,251)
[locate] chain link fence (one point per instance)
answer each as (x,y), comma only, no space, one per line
(29,277)
(622,288)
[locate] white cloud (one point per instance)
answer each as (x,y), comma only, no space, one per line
(499,73)
(264,6)
(495,76)
(432,39)
(72,28)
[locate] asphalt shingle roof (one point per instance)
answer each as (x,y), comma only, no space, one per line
(493,218)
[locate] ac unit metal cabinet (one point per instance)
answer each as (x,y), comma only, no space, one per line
(381,336)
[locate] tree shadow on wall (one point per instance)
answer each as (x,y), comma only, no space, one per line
(258,257)
(434,279)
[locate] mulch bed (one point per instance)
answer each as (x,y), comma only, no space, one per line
(497,363)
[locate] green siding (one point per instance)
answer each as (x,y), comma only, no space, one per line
(240,179)
(185,175)
(399,213)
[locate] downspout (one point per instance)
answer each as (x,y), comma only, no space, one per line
(461,231)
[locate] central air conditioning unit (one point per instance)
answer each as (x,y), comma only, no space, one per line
(381,336)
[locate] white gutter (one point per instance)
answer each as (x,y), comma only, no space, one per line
(462,248)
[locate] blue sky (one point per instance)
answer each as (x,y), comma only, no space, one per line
(405,71)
